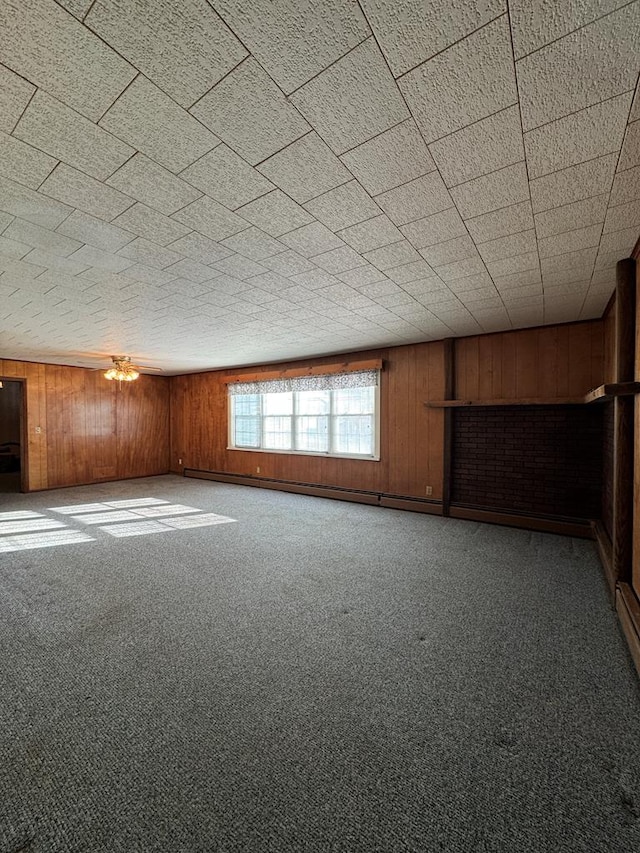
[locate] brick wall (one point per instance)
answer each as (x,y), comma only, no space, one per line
(607,467)
(541,460)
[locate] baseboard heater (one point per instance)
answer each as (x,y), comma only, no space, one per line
(321,491)
(545,524)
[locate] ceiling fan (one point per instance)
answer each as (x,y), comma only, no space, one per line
(123,369)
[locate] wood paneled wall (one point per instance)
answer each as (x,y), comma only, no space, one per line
(82,429)
(411,435)
(550,361)
(10,412)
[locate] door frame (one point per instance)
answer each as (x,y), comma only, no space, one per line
(24,449)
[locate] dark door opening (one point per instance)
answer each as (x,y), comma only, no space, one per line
(11,436)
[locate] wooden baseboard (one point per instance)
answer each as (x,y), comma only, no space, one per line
(628,610)
(578,529)
(320,491)
(605,552)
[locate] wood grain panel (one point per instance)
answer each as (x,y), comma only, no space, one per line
(82,429)
(635,570)
(552,361)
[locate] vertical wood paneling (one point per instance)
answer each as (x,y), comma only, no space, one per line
(76,411)
(553,361)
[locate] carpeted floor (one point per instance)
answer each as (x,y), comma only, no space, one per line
(318,676)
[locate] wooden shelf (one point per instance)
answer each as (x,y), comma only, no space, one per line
(503,401)
(599,394)
(611,390)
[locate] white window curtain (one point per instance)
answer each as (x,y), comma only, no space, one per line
(327,382)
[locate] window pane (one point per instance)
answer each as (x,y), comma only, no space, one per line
(277,433)
(353,401)
(247,432)
(278,404)
(246,404)
(313,402)
(353,434)
(312,433)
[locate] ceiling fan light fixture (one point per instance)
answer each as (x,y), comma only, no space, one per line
(122,370)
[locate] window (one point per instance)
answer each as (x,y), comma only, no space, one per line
(331,415)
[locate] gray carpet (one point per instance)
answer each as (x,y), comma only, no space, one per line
(320,676)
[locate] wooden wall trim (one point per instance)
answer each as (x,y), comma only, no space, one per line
(628,610)
(449,393)
(605,552)
(547,525)
(311,370)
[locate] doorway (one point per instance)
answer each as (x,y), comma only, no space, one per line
(12,451)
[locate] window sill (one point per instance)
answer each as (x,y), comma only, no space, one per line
(318,455)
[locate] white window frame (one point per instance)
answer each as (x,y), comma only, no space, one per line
(375,457)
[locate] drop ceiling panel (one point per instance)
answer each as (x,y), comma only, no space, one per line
(271,180)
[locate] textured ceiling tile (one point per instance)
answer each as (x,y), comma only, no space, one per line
(371,234)
(604,259)
(273,282)
(569,260)
(410,272)
(239,267)
(192,270)
(30,205)
(499,223)
(562,278)
(507,247)
(11,248)
(449,251)
(150,121)
(248,112)
(435,228)
(147,275)
(338,260)
(352,100)
(79,190)
(288,263)
(183,47)
(415,200)
(312,239)
(53,262)
(485,146)
(147,253)
(619,241)
(569,217)
(630,155)
(584,135)
(22,163)
(623,216)
(93,257)
(412,31)
(38,237)
(314,280)
(294,41)
(148,223)
(65,134)
(14,97)
(152,184)
(343,206)
(275,213)
(477,281)
(210,218)
(525,278)
(477,74)
(514,264)
(573,184)
(626,187)
(395,255)
(382,287)
(200,248)
(51,49)
(254,243)
(535,23)
(361,276)
(227,178)
(490,192)
(594,63)
(391,159)
(305,169)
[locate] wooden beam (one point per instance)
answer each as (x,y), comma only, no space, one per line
(504,401)
(612,389)
(311,370)
(449,392)
(622,539)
